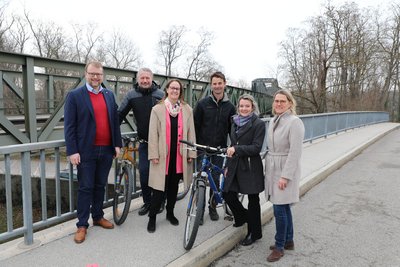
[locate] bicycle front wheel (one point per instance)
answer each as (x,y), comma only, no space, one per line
(194,215)
(122,195)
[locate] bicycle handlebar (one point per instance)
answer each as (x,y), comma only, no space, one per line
(209,148)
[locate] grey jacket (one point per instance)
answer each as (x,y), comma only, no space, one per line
(285,146)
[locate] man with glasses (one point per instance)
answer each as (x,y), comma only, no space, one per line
(93,139)
(141,99)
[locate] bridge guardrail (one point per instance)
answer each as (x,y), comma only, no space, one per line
(51,153)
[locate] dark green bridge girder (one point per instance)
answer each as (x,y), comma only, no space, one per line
(33,89)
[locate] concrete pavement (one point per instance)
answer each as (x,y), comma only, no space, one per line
(350,219)
(131,245)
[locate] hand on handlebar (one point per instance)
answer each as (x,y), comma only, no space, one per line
(230,151)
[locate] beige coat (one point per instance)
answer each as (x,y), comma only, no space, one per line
(158,148)
(285,145)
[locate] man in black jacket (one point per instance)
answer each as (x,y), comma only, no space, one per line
(141,99)
(212,119)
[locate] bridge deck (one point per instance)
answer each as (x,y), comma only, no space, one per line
(131,245)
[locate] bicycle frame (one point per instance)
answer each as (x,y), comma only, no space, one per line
(207,167)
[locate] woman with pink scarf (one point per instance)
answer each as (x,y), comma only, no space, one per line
(170,121)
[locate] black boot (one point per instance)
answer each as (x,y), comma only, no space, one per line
(172,219)
(151,226)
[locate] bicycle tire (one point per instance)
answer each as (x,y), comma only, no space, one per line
(182,191)
(194,214)
(122,196)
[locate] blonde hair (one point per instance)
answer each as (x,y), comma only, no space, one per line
(253,102)
(289,97)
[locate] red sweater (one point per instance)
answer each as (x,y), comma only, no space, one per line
(103,134)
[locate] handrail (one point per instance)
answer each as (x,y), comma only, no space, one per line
(41,163)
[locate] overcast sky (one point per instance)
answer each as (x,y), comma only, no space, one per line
(247,33)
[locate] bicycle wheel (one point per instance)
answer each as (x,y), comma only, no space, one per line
(194,214)
(122,195)
(182,191)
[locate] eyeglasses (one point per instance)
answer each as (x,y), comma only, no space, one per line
(174,88)
(92,74)
(280,101)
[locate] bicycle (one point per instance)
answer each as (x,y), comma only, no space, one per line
(123,184)
(195,208)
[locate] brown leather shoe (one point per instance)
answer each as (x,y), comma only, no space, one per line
(288,246)
(80,235)
(275,255)
(104,223)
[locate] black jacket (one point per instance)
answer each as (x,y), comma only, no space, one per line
(141,101)
(212,121)
(245,169)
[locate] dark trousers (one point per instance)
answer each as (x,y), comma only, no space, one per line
(171,190)
(92,177)
(144,166)
(252,215)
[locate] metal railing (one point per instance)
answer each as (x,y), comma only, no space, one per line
(38,165)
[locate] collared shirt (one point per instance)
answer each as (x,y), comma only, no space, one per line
(92,90)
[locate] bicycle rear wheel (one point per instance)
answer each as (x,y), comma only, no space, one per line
(122,195)
(194,214)
(182,191)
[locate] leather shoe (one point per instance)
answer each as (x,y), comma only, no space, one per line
(248,240)
(80,235)
(172,219)
(238,224)
(151,225)
(144,209)
(275,255)
(288,246)
(104,223)
(213,214)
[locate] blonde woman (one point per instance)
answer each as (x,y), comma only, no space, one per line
(285,145)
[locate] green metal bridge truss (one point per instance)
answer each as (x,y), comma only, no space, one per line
(33,90)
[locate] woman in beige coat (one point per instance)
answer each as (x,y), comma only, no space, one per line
(170,121)
(283,170)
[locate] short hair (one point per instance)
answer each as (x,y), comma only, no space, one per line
(141,70)
(218,74)
(96,64)
(289,97)
(252,100)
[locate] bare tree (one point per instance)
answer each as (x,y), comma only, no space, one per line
(86,39)
(5,26)
(171,46)
(19,35)
(49,39)
(200,64)
(121,52)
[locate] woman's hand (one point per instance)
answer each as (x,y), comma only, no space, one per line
(282,183)
(155,161)
(230,151)
(189,160)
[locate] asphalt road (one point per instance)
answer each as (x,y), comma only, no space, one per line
(352,218)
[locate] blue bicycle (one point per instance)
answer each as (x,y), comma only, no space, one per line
(196,205)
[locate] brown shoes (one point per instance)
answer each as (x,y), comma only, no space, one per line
(288,246)
(275,255)
(80,235)
(104,223)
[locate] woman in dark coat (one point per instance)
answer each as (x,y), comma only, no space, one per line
(245,169)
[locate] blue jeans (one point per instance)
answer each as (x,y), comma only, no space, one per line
(144,165)
(92,178)
(283,224)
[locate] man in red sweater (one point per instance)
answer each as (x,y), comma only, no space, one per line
(93,139)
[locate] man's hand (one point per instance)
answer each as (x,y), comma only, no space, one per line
(117,151)
(75,159)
